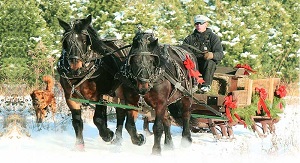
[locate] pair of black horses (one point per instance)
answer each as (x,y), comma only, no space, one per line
(146,73)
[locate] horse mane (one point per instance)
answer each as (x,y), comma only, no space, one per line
(97,44)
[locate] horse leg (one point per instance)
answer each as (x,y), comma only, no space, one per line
(76,122)
(137,139)
(100,120)
(158,129)
(146,125)
(121,113)
(78,128)
(186,115)
(167,129)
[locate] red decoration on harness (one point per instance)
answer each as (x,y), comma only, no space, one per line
(246,67)
(190,66)
(261,102)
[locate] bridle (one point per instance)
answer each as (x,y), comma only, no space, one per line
(89,58)
(83,56)
(145,71)
(144,67)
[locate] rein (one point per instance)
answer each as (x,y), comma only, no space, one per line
(119,49)
(194,48)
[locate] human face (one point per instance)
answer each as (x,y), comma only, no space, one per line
(201,26)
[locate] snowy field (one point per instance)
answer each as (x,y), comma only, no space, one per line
(53,142)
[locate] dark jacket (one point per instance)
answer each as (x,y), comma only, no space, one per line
(206,39)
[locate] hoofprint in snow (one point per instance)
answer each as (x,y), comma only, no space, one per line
(54,141)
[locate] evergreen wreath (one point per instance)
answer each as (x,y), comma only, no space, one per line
(260,106)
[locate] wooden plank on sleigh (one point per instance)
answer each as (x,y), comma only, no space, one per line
(242,97)
(229,71)
(227,79)
(260,118)
(269,84)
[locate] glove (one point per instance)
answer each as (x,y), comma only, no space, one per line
(208,56)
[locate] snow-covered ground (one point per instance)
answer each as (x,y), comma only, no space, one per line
(54,142)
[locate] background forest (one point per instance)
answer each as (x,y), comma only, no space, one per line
(261,33)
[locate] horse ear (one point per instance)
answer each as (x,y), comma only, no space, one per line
(89,18)
(154,43)
(63,24)
(87,21)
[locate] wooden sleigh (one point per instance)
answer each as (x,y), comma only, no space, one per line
(232,81)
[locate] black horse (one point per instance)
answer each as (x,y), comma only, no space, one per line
(157,77)
(87,69)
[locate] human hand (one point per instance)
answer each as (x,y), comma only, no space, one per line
(208,56)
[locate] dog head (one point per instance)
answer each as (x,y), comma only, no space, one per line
(41,100)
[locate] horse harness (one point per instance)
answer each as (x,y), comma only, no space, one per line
(180,75)
(162,73)
(90,71)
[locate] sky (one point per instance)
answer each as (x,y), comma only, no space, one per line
(53,142)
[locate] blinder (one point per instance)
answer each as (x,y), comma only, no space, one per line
(145,71)
(157,59)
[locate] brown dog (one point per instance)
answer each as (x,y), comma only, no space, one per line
(44,99)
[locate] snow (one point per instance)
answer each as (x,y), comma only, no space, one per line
(54,142)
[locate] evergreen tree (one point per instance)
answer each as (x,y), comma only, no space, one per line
(50,11)
(106,15)
(263,33)
(23,28)
(172,21)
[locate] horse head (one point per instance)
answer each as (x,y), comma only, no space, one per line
(144,61)
(77,44)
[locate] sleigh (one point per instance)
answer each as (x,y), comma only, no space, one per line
(234,83)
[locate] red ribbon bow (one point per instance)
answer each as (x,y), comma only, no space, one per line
(190,66)
(281,91)
(245,66)
(261,102)
(231,104)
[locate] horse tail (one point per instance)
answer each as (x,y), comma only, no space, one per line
(50,82)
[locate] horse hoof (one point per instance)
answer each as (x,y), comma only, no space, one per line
(156,152)
(169,147)
(117,141)
(79,147)
(109,137)
(142,140)
(186,142)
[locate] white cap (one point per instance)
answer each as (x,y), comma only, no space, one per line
(201,18)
